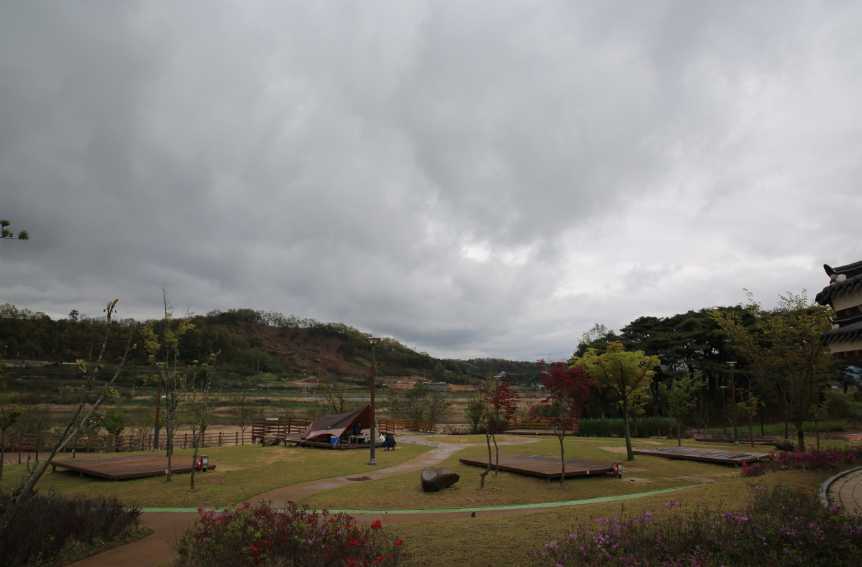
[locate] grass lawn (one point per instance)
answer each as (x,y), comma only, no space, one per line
(241,472)
(512,539)
(644,474)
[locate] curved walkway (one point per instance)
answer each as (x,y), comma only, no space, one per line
(846,492)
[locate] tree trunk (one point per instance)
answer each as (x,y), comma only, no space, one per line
(751,428)
(630,456)
(2,451)
(169,441)
(562,437)
(195,443)
(157,425)
(488,468)
(678,433)
(800,437)
(496,454)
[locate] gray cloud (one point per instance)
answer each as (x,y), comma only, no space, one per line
(473,181)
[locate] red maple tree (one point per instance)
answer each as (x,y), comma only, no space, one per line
(500,403)
(568,390)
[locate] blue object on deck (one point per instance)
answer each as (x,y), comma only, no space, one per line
(333,441)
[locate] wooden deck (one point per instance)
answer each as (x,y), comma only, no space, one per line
(125,468)
(535,432)
(547,467)
(717,456)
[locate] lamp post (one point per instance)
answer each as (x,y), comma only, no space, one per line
(372,387)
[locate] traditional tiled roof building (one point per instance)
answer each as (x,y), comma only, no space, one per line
(844,294)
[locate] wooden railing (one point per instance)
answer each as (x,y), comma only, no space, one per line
(278,429)
(532,423)
(24,444)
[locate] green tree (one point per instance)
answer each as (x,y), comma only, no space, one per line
(626,374)
(199,384)
(9,415)
(162,345)
(94,391)
(473,412)
(420,405)
(749,408)
(114,422)
(245,414)
(8,233)
(784,346)
(681,399)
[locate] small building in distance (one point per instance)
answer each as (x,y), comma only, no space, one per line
(438,386)
(844,295)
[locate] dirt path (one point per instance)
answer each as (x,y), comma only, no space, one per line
(155,550)
(297,492)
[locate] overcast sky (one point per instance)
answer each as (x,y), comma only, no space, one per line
(473,178)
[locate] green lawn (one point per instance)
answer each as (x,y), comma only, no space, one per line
(241,472)
(513,539)
(644,474)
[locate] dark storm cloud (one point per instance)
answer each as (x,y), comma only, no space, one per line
(469,180)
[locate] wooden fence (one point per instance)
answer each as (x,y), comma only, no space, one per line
(23,447)
(24,444)
(278,429)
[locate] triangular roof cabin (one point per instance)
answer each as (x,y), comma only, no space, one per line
(338,424)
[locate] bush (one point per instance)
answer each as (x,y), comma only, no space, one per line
(779,527)
(45,526)
(260,535)
(816,460)
(838,405)
(615,427)
(753,469)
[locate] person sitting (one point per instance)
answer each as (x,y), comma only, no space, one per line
(389,442)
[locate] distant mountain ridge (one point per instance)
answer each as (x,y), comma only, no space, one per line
(250,342)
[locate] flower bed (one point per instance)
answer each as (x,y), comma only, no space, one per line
(817,460)
(779,527)
(261,535)
(806,460)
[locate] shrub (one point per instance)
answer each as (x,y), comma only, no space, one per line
(753,469)
(778,527)
(260,535)
(816,460)
(47,525)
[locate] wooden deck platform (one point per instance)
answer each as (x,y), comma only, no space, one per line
(741,439)
(125,468)
(534,432)
(717,456)
(547,467)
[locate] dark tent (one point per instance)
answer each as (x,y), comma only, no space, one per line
(339,425)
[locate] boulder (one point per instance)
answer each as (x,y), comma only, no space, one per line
(438,479)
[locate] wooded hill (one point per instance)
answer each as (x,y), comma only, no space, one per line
(248,342)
